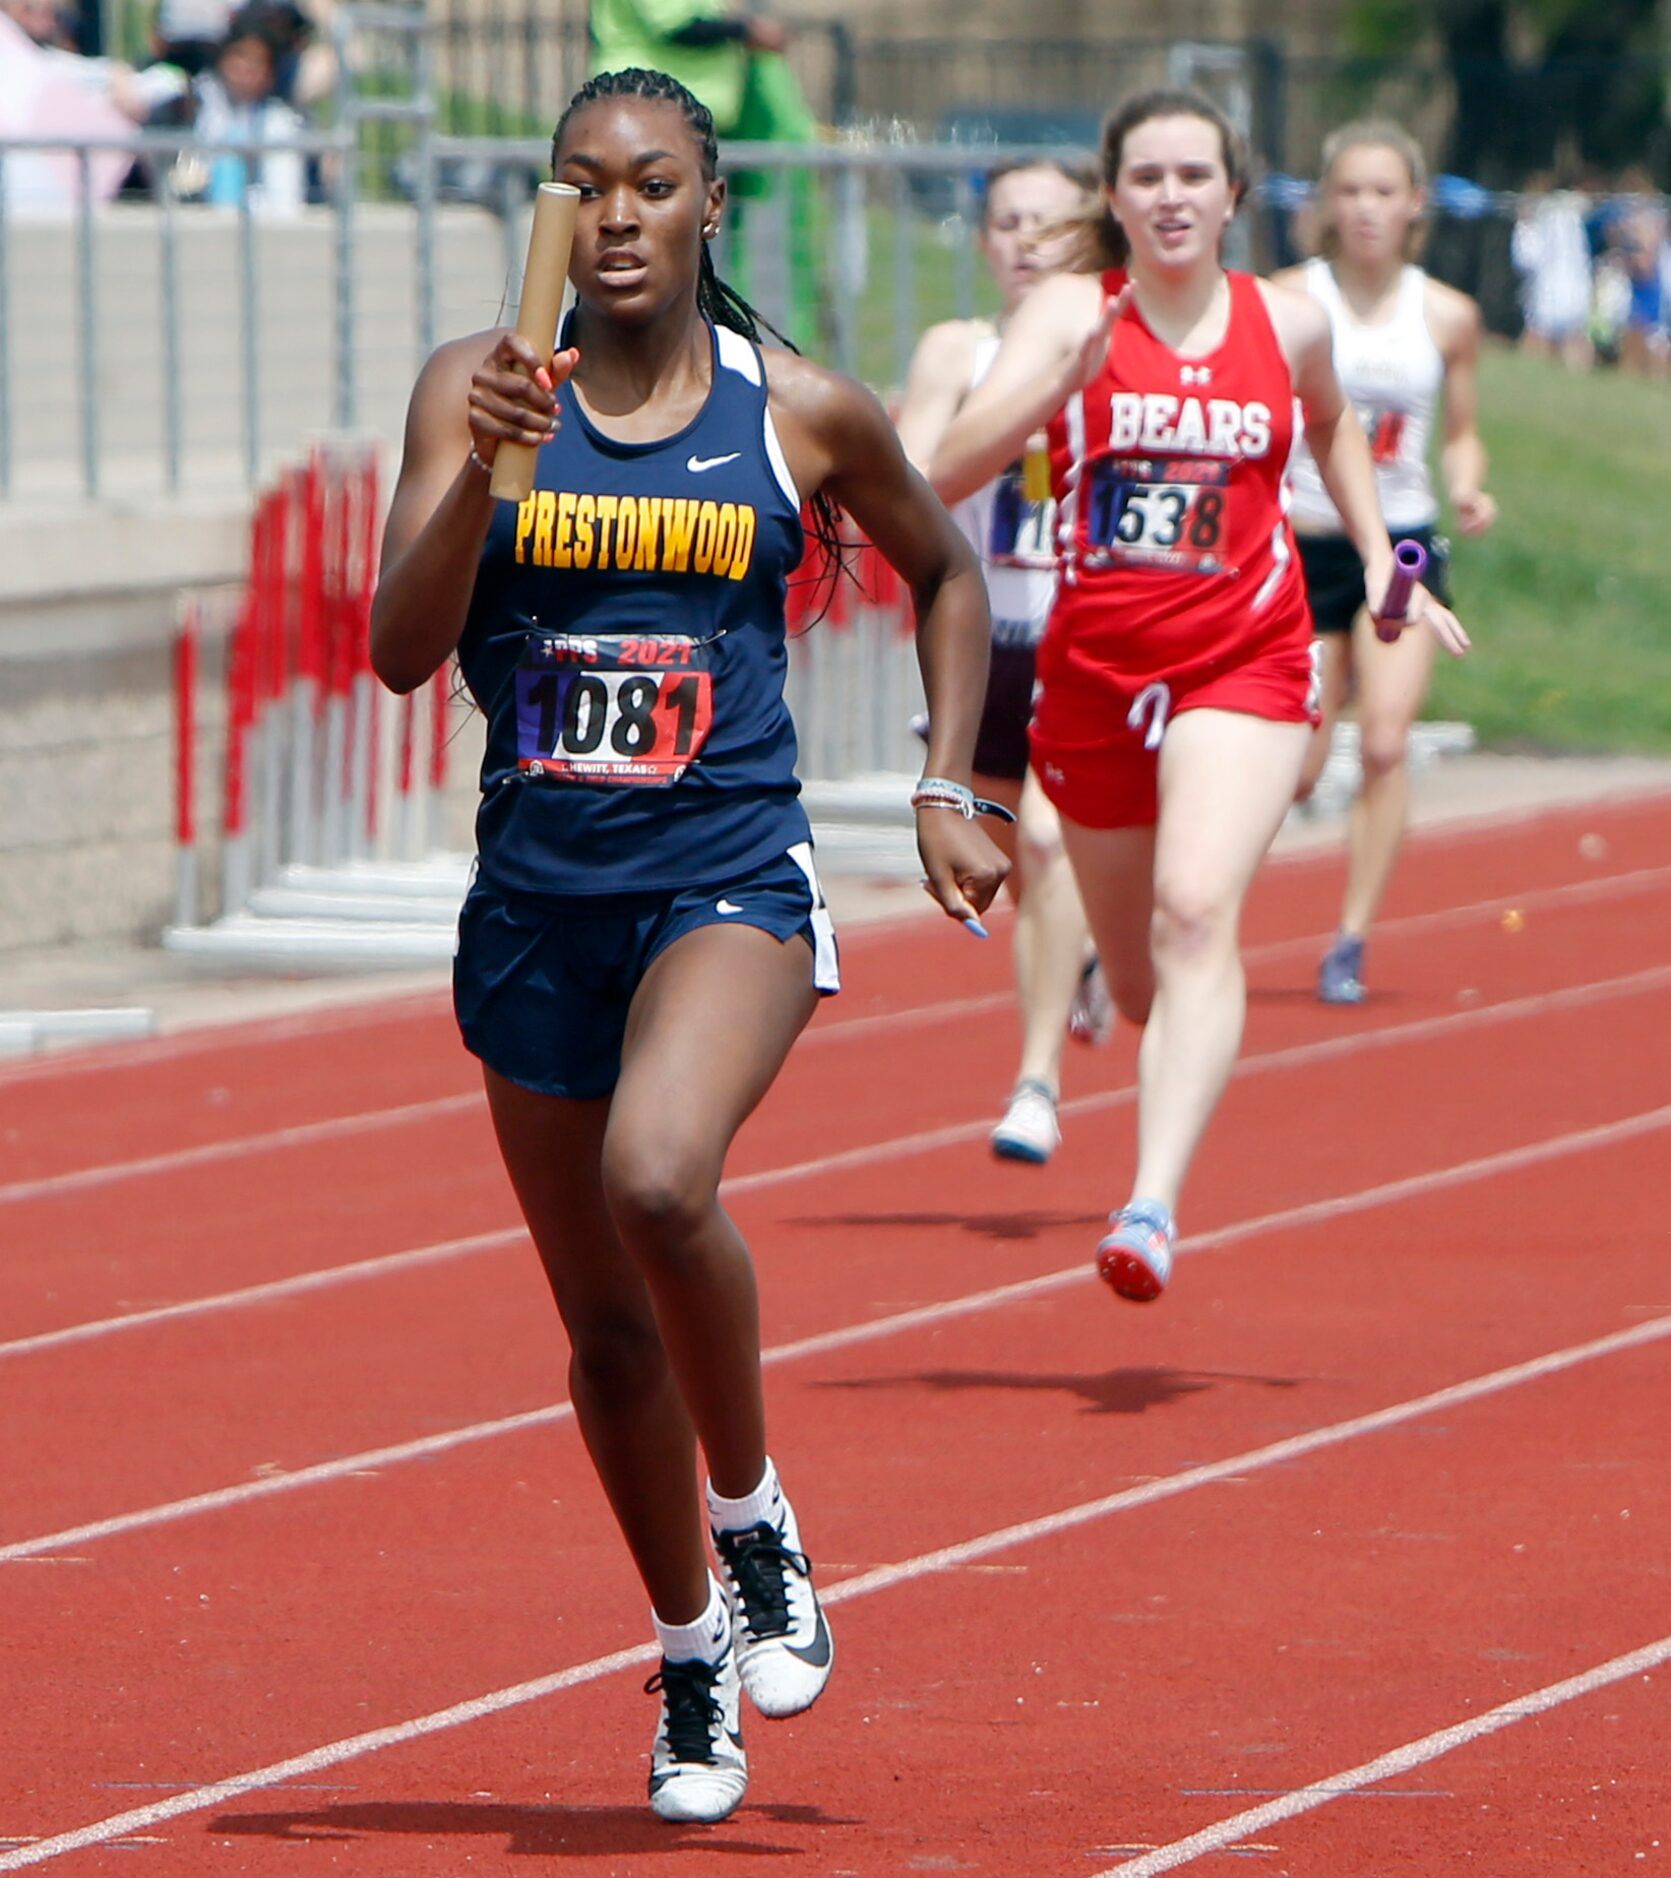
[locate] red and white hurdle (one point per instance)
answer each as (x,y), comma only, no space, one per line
(332,792)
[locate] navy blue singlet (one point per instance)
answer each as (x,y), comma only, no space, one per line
(626,642)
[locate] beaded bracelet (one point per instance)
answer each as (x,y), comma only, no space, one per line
(939,792)
(485,467)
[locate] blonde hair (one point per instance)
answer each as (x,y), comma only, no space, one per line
(1100,242)
(1369,133)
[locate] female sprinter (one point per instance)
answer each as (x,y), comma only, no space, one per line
(1402,345)
(1012,528)
(645,936)
(1176,667)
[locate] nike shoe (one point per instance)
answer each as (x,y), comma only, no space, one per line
(784,1648)
(1136,1257)
(1091,1015)
(698,1770)
(1029,1130)
(1340,976)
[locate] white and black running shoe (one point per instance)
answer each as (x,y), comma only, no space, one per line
(784,1648)
(698,1770)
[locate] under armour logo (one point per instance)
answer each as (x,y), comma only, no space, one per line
(1195,374)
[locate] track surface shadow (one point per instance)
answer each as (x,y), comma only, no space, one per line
(1128,1391)
(553,1831)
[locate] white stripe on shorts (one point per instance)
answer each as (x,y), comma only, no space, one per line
(826,969)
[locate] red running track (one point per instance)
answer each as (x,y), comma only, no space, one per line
(1348,1557)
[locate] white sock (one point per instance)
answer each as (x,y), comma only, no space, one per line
(764,1503)
(706,1638)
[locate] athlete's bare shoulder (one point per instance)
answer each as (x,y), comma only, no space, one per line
(437,408)
(1452,318)
(952,344)
(813,395)
(1291,278)
(455,360)
(1300,319)
(1072,302)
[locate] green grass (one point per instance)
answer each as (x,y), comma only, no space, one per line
(1568,599)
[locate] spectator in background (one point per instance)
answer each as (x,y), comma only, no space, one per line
(237,101)
(732,60)
(705,44)
(189,33)
(137,96)
(1637,248)
(1551,252)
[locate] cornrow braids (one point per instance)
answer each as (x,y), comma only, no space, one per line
(716,301)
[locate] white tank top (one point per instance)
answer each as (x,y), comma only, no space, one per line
(1394,374)
(1011,524)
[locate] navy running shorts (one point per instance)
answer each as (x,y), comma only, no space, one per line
(542,987)
(1001,741)
(1334,575)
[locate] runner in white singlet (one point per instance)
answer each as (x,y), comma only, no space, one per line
(1010,523)
(1406,349)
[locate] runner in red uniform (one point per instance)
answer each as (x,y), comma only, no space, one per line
(1176,672)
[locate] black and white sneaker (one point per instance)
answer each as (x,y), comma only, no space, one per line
(698,1770)
(784,1648)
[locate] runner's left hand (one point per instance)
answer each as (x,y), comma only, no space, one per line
(1424,610)
(964,866)
(1475,512)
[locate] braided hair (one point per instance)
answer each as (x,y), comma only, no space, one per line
(716,301)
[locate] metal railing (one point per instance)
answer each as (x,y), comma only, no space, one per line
(209,343)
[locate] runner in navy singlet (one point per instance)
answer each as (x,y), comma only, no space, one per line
(645,936)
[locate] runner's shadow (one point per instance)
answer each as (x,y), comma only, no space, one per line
(1112,1392)
(1000,1226)
(542,1831)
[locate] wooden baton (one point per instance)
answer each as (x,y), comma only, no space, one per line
(543,280)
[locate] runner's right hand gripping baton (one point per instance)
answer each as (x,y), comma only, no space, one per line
(543,280)
(1409,564)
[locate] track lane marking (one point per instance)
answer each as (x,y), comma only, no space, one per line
(104,1173)
(1229,1832)
(1310,1213)
(954,1134)
(883,1578)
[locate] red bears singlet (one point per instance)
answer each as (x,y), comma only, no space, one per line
(1178,581)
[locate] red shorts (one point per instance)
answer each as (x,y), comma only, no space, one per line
(1112,780)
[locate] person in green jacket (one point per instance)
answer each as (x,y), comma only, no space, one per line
(705,44)
(732,60)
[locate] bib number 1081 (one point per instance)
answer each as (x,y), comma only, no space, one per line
(603,724)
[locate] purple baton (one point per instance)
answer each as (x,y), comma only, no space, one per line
(1409,564)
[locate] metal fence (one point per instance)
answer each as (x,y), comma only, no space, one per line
(152,343)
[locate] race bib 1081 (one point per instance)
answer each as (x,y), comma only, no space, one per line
(617,709)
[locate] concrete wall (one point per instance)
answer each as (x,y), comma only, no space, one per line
(90,590)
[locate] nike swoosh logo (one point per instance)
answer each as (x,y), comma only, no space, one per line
(697,464)
(725,906)
(816,1653)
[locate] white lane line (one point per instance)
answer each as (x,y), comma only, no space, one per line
(331,1128)
(269,1292)
(926,1564)
(926,1141)
(1229,1832)
(1412,1186)
(80,1179)
(1258,1063)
